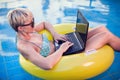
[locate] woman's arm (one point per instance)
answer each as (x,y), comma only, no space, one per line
(45,25)
(39,27)
(50,28)
(44,62)
(55,35)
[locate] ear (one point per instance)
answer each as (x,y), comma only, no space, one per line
(20,28)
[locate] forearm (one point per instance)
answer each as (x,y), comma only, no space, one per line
(50,61)
(50,28)
(46,63)
(55,57)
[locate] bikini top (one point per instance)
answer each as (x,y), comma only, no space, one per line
(45,47)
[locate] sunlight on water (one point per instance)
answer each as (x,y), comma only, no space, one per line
(53,11)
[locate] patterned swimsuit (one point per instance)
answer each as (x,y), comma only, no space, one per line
(45,47)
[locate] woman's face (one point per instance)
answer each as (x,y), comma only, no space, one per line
(28,25)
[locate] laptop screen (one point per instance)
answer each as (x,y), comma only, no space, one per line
(82,26)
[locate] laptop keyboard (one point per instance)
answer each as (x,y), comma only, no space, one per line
(73,39)
(73,49)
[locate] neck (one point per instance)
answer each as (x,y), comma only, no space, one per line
(24,35)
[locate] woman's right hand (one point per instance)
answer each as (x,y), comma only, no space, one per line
(64,47)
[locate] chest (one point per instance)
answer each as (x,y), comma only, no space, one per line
(36,39)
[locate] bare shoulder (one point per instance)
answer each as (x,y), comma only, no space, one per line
(25,49)
(39,26)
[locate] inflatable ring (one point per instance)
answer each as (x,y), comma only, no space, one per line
(73,67)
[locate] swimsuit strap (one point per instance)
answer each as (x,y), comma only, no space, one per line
(45,47)
(28,41)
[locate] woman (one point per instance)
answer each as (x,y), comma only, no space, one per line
(36,47)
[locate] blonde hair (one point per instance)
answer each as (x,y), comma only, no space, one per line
(18,17)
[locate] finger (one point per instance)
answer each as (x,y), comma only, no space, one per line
(71,44)
(63,37)
(66,37)
(56,41)
(68,43)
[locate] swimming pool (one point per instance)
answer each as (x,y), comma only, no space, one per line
(56,11)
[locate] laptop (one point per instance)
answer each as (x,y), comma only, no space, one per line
(78,37)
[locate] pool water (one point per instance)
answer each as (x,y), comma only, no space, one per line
(105,12)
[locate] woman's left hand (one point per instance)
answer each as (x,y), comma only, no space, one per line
(58,37)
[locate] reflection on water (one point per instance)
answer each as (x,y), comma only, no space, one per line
(58,11)
(7,46)
(54,11)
